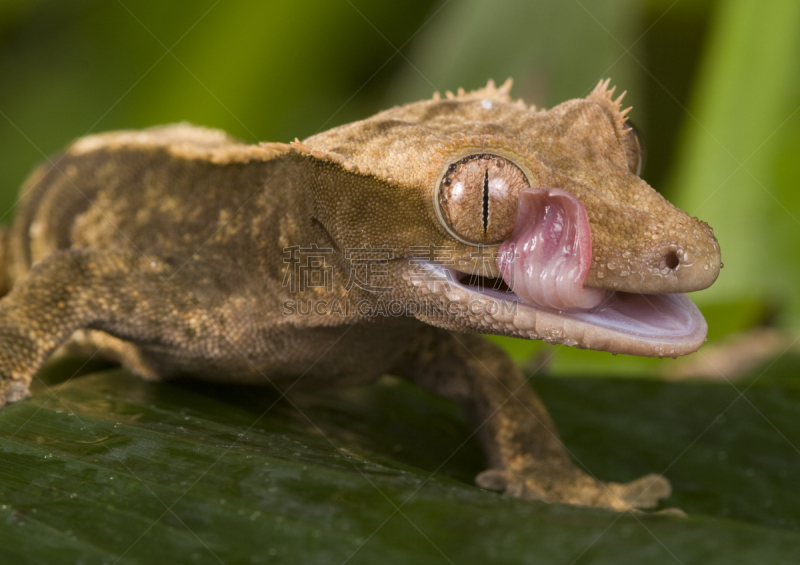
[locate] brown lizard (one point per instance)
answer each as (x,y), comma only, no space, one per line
(378,247)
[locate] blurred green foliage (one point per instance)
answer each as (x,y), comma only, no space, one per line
(736,168)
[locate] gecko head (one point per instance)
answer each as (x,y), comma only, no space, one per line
(549,223)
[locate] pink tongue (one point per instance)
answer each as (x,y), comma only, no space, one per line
(547,257)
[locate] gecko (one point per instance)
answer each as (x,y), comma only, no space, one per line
(383,246)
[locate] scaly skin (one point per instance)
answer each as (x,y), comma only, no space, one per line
(167,250)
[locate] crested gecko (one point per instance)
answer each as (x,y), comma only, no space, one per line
(383,246)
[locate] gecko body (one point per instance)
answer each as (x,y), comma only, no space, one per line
(379,247)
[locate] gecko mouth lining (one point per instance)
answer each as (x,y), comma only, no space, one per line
(639,324)
(481,281)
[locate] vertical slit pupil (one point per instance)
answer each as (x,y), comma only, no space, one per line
(485,201)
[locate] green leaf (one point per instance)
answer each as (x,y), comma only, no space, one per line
(108,466)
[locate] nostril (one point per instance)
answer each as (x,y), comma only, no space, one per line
(672,260)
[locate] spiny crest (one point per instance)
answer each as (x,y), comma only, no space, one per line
(489,92)
(604,94)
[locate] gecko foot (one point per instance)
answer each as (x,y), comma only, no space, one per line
(566,484)
(12,391)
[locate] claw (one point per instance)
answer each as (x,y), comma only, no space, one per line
(492,479)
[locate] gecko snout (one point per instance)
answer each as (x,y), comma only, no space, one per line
(682,261)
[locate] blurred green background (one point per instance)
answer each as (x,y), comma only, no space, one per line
(716,94)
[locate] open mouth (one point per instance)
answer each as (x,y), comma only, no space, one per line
(652,325)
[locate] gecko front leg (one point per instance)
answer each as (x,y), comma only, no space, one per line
(526,457)
(123,294)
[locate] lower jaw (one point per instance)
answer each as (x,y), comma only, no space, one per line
(652,325)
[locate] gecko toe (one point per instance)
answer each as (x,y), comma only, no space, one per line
(644,492)
(16,390)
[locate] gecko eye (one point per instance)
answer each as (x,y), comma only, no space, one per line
(477,198)
(634,150)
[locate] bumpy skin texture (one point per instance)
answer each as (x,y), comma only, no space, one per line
(166,250)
